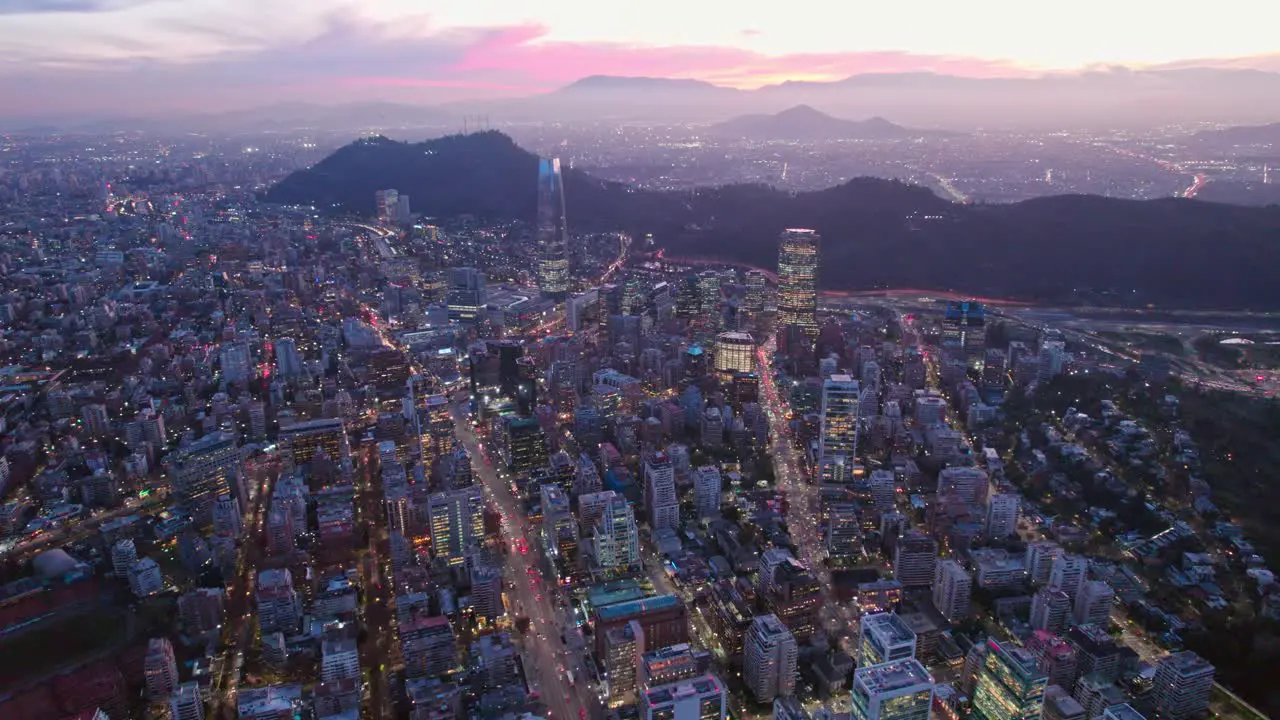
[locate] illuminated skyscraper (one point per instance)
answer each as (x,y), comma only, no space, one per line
(1010,685)
(553,237)
(456,520)
(838,443)
(798,280)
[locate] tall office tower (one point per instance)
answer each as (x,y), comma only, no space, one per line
(339,659)
(769,659)
(623,647)
(433,426)
(186,703)
(234,361)
(486,589)
(525,449)
(278,605)
(707,487)
(735,353)
(553,235)
(466,295)
(302,442)
(455,470)
(844,528)
(1056,657)
(884,637)
(952,590)
(288,361)
(1009,686)
(386,203)
(428,646)
(914,559)
(660,492)
(1039,561)
(160,669)
(995,370)
(617,540)
(227,520)
(124,553)
(700,698)
(1002,515)
(1182,685)
(1093,604)
(896,690)
(838,438)
(96,421)
(753,298)
(798,280)
(968,483)
(205,469)
(1050,610)
(709,296)
(1069,572)
(456,518)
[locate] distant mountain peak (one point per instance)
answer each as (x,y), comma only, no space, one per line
(805,122)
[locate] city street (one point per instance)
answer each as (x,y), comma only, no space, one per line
(546,660)
(802,497)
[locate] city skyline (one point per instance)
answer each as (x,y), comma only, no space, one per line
(160,56)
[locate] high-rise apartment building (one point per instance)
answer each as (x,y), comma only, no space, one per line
(617,540)
(1068,572)
(456,520)
(660,492)
(838,435)
(707,487)
(914,559)
(186,703)
(952,590)
(288,359)
(769,659)
(279,608)
(1050,610)
(1009,685)
(1182,686)
(798,280)
(428,646)
(1039,561)
(1093,603)
(1002,515)
(896,690)
(884,637)
(160,669)
(1055,656)
(235,363)
(553,234)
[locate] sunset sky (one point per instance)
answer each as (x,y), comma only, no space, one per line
(135,56)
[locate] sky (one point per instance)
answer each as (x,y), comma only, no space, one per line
(131,57)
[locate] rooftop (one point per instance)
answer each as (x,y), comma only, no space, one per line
(636,607)
(889,628)
(891,676)
(694,687)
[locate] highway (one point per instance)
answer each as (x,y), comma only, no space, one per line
(545,657)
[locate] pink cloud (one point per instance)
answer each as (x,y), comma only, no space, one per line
(521,52)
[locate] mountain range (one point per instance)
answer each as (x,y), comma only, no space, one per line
(876,233)
(806,124)
(1109,99)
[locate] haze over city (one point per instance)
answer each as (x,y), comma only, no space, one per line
(125,57)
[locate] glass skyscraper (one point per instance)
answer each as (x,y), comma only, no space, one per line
(1010,685)
(798,279)
(553,236)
